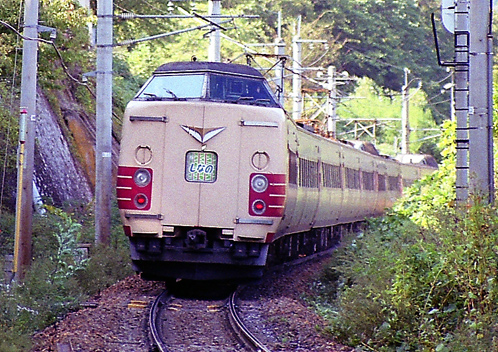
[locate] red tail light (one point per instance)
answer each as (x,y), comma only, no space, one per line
(134,187)
(141,201)
(267,194)
(258,207)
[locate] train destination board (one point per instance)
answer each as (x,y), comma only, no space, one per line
(201,167)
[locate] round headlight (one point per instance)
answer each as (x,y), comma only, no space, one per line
(142,177)
(259,183)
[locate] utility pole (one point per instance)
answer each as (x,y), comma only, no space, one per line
(332,102)
(471,23)
(298,69)
(280,68)
(481,168)
(405,120)
(103,162)
(214,38)
(297,99)
(24,209)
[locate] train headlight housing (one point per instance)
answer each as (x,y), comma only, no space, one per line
(258,207)
(141,201)
(142,177)
(259,183)
(134,187)
(267,194)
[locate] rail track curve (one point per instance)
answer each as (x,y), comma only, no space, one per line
(249,342)
(154,316)
(240,329)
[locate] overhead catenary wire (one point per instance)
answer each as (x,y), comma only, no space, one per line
(61,60)
(306,77)
(50,42)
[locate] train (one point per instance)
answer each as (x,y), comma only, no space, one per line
(215,179)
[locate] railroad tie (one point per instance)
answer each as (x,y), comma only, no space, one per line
(137,304)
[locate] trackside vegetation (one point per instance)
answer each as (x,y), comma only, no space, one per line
(62,275)
(422,278)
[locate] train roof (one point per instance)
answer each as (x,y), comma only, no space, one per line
(365,146)
(424,159)
(207,66)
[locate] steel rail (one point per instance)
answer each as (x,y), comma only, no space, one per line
(240,329)
(153,320)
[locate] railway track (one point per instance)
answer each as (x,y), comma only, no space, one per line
(184,324)
(273,310)
(154,320)
(240,328)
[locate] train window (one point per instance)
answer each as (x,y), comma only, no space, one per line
(382,183)
(393,182)
(368,181)
(308,173)
(331,176)
(292,168)
(209,86)
(173,87)
(352,178)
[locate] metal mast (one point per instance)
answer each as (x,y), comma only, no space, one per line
(103,157)
(24,210)
(332,102)
(405,119)
(481,100)
(462,35)
(280,68)
(297,106)
(214,37)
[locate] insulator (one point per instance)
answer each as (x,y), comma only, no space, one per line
(127,15)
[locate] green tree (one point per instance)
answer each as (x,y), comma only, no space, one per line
(367,38)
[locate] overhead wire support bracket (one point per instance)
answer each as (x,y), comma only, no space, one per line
(436,43)
(134,41)
(209,21)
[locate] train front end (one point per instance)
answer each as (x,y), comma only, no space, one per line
(201,181)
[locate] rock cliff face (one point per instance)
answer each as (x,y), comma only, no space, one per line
(65,150)
(59,176)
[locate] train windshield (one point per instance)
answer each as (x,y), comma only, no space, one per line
(173,87)
(242,90)
(209,86)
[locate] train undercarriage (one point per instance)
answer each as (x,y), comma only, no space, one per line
(196,254)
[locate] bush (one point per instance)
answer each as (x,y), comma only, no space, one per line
(405,287)
(423,278)
(60,278)
(7,231)
(106,267)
